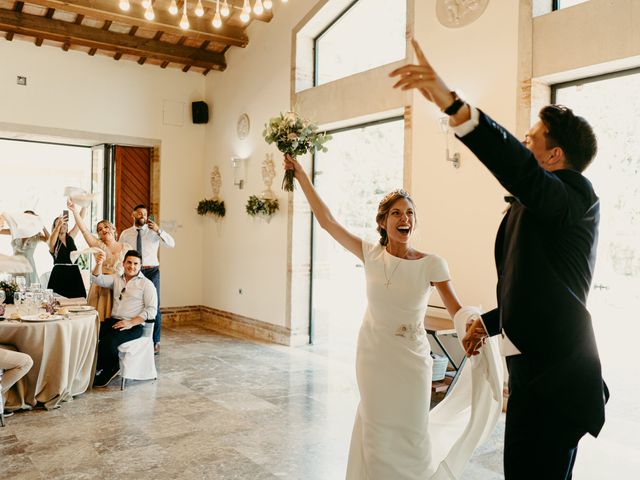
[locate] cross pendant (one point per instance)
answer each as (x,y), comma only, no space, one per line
(388,283)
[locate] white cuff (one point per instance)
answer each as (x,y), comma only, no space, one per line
(468,126)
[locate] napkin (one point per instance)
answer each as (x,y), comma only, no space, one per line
(78,196)
(22,225)
(14,264)
(75,254)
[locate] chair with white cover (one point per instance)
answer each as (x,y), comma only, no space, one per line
(137,360)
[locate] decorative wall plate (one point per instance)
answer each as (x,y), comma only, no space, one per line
(243,126)
(459,13)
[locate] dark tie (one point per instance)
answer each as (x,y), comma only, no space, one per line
(139,241)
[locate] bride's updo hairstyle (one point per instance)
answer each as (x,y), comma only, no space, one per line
(383,210)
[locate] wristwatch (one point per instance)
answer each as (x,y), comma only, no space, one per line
(455,105)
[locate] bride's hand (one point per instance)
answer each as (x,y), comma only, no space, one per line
(291,163)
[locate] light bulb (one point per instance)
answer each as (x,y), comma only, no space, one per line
(149,14)
(199,11)
(246,8)
(258,9)
(146,3)
(184,22)
(173,8)
(244,16)
(217,21)
(124,5)
(224,10)
(268,4)
(285,1)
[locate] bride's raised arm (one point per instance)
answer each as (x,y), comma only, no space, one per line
(89,237)
(322,212)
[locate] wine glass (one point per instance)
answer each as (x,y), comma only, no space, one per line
(21,282)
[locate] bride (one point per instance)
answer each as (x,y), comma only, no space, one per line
(391,437)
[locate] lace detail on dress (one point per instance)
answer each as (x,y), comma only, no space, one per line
(408,330)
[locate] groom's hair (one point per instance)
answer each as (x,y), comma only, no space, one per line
(383,210)
(571,133)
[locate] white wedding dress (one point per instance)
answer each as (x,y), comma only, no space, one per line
(395,437)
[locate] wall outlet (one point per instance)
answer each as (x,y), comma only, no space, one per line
(21,80)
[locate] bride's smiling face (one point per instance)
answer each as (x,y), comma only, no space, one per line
(400,221)
(104,231)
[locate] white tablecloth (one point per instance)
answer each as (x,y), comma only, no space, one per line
(63,353)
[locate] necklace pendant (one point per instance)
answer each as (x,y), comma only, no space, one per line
(387,283)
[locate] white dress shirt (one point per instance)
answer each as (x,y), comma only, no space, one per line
(507,348)
(151,241)
(137,297)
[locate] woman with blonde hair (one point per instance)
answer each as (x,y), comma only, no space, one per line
(99,297)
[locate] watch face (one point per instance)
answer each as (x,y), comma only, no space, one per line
(243,126)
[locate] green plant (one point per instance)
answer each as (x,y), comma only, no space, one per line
(259,206)
(215,207)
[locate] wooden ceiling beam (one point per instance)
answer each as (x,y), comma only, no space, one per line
(200,29)
(66,32)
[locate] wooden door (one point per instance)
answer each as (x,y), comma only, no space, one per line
(133,182)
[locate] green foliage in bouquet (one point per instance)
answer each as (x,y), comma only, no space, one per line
(294,136)
(258,206)
(9,289)
(215,207)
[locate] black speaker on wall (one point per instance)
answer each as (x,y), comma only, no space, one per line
(199,112)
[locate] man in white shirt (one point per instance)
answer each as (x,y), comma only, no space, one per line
(134,302)
(15,365)
(147,237)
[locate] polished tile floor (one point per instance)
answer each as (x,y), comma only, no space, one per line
(223,408)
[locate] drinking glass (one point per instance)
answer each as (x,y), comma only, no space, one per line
(21,282)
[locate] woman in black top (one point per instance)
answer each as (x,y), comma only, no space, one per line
(65,278)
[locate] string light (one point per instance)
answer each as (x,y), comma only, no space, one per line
(146,3)
(124,5)
(217,21)
(268,4)
(258,9)
(246,12)
(184,21)
(225,10)
(173,8)
(199,11)
(149,13)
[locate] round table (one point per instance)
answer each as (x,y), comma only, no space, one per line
(63,353)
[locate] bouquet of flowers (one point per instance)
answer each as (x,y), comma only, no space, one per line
(294,136)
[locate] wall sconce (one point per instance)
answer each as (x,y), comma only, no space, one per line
(444,127)
(239,171)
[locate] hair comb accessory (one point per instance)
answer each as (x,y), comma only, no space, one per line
(398,192)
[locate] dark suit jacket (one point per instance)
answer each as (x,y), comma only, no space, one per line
(545,255)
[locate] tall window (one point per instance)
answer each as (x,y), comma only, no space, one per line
(611,104)
(369,33)
(362,165)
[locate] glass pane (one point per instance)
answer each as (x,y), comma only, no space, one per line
(611,105)
(371,33)
(362,165)
(34,176)
(569,3)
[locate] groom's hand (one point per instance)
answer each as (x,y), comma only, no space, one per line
(474,338)
(423,77)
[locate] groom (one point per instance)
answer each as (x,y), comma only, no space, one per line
(545,255)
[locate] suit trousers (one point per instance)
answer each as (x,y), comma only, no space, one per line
(109,341)
(540,443)
(153,274)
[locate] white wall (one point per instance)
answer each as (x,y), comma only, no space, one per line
(241,252)
(459,209)
(72,94)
